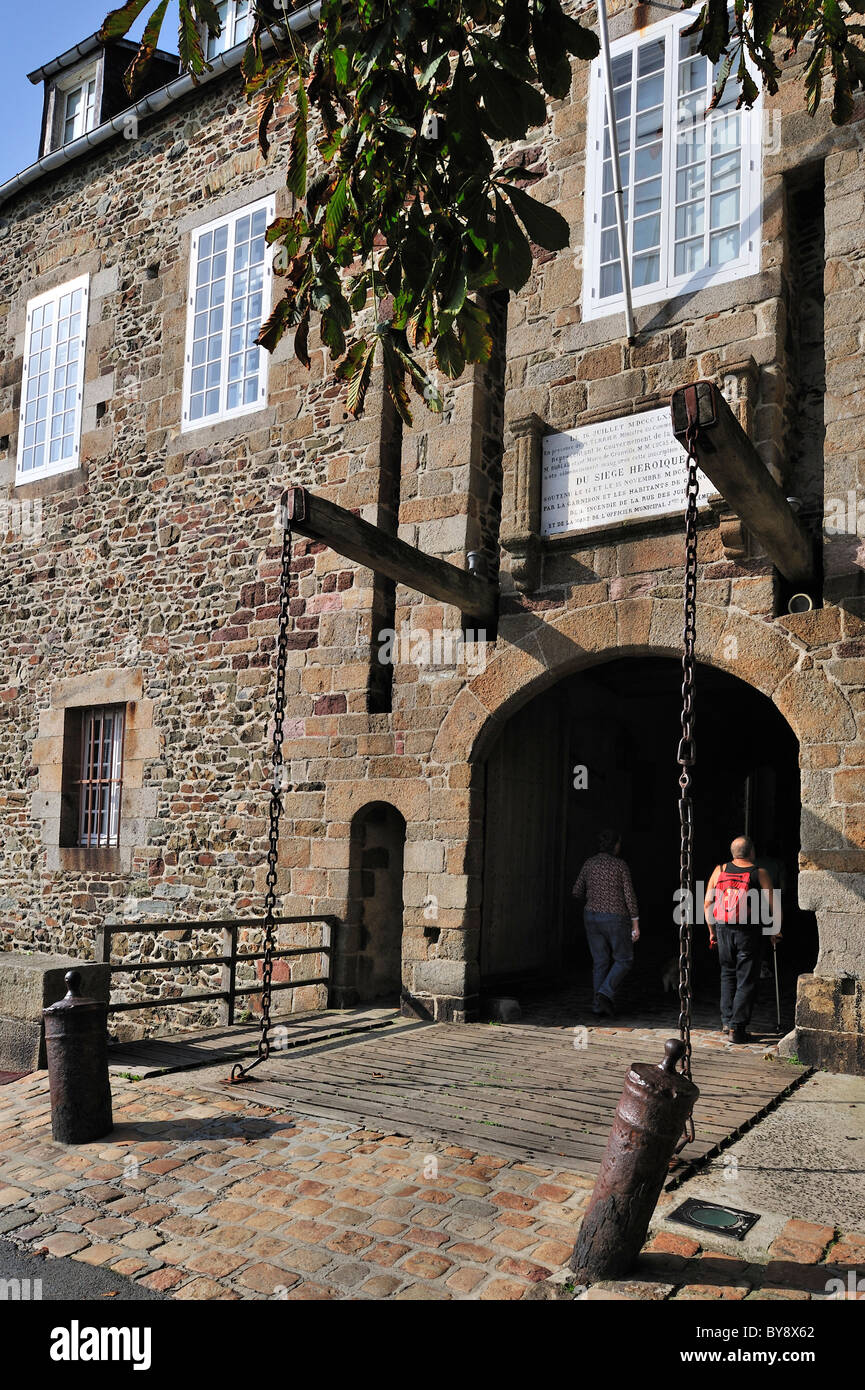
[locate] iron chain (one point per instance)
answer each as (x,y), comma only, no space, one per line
(686,758)
(238,1072)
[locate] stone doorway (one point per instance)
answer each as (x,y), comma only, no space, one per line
(599,747)
(367,967)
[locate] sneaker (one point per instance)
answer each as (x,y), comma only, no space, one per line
(605,1006)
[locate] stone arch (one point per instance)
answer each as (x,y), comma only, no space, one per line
(757,652)
(779,660)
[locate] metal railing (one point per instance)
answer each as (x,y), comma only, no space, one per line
(229,960)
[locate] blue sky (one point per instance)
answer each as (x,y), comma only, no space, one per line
(34,31)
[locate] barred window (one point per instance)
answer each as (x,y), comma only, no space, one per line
(100,777)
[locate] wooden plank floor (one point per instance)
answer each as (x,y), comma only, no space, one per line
(185,1051)
(512,1091)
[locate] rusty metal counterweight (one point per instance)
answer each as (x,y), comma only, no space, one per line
(238,1071)
(652,1110)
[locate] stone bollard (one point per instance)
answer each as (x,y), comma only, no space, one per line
(650,1118)
(76,1041)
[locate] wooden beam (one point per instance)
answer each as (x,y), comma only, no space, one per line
(359,540)
(727,456)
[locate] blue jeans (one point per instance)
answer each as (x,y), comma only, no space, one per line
(739,951)
(609,937)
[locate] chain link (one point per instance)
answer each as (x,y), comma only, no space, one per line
(686,758)
(239,1072)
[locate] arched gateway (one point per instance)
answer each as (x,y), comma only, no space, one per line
(442,968)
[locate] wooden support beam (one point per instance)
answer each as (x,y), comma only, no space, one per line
(359,540)
(727,456)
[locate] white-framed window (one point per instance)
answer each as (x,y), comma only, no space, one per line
(52,389)
(235,17)
(692,183)
(230,289)
(79,110)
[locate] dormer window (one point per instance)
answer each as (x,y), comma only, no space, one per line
(79,110)
(84,87)
(235,16)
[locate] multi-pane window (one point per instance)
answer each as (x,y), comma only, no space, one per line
(235,16)
(79,113)
(690,180)
(101,776)
(53,381)
(229,296)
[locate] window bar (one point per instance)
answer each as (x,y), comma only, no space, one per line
(120,727)
(82,785)
(99,724)
(101,777)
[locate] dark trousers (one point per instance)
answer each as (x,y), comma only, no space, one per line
(739,954)
(609,938)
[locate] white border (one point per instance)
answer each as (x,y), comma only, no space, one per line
(50,470)
(188,426)
(748,263)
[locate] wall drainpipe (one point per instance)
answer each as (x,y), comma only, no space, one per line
(617,169)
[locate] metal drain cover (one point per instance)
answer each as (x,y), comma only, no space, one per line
(709,1216)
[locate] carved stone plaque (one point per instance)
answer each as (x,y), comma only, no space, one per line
(614,471)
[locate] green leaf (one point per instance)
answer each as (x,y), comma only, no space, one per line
(582,42)
(360,382)
(554,68)
(352,360)
(449,355)
(336,212)
(299,153)
(502,104)
(370,58)
(473,328)
(394,379)
(146,49)
(451,288)
(432,68)
(279,320)
(189,42)
(118,23)
(464,135)
(332,334)
(544,225)
(301,339)
(721,80)
(512,255)
(339,57)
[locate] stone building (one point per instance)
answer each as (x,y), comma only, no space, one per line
(439,802)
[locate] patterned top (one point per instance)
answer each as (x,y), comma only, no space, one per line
(606,883)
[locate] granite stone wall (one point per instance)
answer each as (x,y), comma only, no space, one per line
(160,558)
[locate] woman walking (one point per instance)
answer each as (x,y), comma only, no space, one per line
(611,918)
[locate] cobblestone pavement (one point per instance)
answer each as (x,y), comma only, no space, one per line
(206,1197)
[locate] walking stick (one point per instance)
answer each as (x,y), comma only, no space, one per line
(777,992)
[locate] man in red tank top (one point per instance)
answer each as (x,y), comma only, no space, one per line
(739,902)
